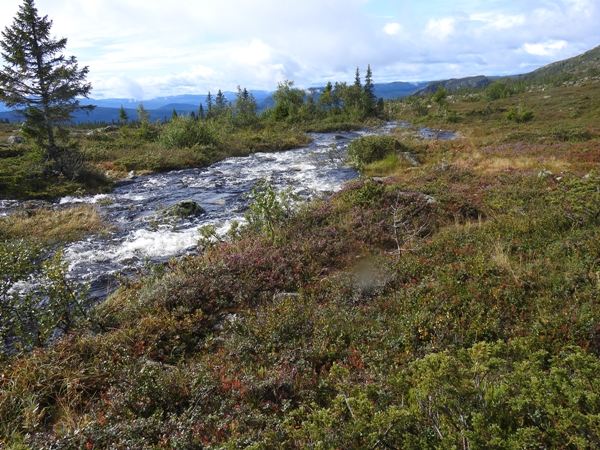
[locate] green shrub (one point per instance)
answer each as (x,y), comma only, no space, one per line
(519,115)
(268,208)
(368,149)
(453,117)
(30,318)
(185,132)
(502,89)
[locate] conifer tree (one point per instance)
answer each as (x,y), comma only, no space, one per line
(209,104)
(326,98)
(245,107)
(369,87)
(38,80)
(357,79)
(220,100)
(123,117)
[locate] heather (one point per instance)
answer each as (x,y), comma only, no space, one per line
(449,304)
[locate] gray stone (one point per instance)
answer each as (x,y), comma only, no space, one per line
(411,158)
(15,140)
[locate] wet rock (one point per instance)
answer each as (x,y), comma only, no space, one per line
(185,208)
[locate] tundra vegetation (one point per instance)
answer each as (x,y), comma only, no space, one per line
(449,304)
(453,304)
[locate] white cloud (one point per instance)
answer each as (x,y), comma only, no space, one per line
(581,6)
(120,86)
(392,28)
(500,21)
(545,48)
(140,48)
(440,28)
(254,54)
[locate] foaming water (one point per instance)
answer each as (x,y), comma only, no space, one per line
(143,235)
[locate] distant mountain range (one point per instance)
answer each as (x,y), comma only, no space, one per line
(107,110)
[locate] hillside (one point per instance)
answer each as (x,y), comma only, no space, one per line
(454,84)
(585,65)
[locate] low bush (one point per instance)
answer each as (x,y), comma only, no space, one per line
(368,149)
(185,132)
(519,115)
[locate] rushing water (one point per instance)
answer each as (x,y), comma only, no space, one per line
(141,235)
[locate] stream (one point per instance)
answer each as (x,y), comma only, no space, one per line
(141,236)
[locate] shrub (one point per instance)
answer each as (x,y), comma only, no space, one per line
(268,208)
(30,318)
(368,149)
(185,132)
(519,115)
(502,89)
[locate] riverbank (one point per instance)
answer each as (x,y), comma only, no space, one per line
(408,311)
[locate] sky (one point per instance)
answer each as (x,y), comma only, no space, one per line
(143,49)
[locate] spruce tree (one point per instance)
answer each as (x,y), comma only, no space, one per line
(220,100)
(209,105)
(369,86)
(357,79)
(123,117)
(37,80)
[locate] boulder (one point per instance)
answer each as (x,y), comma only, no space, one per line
(185,208)
(411,158)
(15,140)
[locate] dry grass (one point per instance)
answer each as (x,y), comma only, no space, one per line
(563,136)
(50,226)
(500,164)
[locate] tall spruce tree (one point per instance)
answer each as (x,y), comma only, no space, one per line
(369,86)
(37,80)
(209,105)
(220,100)
(357,79)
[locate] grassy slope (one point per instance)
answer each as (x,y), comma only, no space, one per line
(454,304)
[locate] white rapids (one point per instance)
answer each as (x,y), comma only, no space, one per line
(141,236)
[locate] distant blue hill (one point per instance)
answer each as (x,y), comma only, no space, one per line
(107,110)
